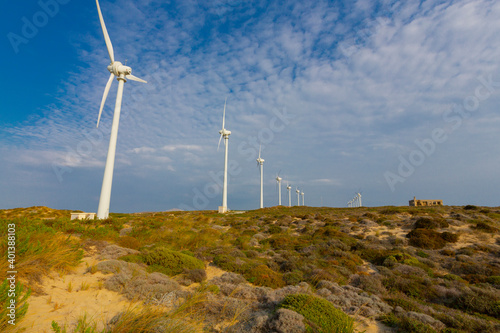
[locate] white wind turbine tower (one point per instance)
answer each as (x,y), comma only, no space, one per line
(359,200)
(289,189)
(122,73)
(224,133)
(278,181)
(302,194)
(298,197)
(260,161)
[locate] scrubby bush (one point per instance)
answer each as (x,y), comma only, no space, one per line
(274,229)
(450,237)
(129,242)
(170,262)
(479,300)
(369,283)
(320,315)
(429,239)
(494,280)
(470,207)
(196,275)
(485,227)
(293,278)
(264,276)
(427,223)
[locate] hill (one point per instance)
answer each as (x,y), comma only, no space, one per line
(279,269)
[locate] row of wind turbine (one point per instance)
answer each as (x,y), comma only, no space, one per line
(355,202)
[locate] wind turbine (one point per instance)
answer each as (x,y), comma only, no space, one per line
(289,189)
(298,197)
(224,133)
(359,199)
(302,194)
(278,181)
(260,161)
(122,73)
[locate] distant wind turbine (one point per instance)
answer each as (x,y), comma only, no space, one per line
(260,161)
(122,74)
(278,181)
(298,197)
(302,194)
(359,199)
(224,133)
(289,189)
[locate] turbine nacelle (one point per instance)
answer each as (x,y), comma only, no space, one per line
(225,133)
(260,161)
(117,68)
(279,179)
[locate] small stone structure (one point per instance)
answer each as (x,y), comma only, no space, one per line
(419,203)
(82,216)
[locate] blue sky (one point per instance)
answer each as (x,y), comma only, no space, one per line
(393,98)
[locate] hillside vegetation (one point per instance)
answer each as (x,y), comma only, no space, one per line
(299,269)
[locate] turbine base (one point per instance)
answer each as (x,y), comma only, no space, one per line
(223,210)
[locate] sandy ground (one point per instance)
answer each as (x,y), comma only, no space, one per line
(68,298)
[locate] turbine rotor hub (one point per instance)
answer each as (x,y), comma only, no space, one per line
(117,68)
(225,133)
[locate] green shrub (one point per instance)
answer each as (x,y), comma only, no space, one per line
(427,223)
(274,229)
(422,254)
(265,277)
(450,237)
(129,242)
(231,264)
(494,280)
(403,303)
(470,207)
(480,301)
(409,325)
(319,314)
(485,227)
(196,275)
(453,277)
(170,262)
(293,278)
(427,239)
(135,258)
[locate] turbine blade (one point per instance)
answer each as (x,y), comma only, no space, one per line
(106,36)
(260,147)
(218,146)
(134,78)
(106,91)
(224,115)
